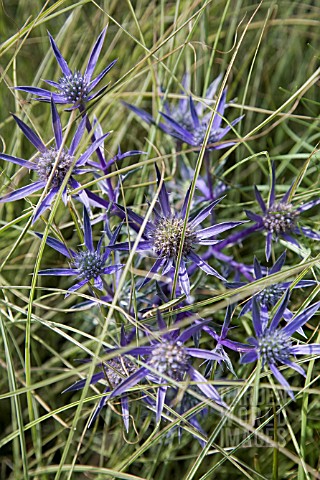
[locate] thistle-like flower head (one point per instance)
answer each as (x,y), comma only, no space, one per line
(280,218)
(167,356)
(170,231)
(269,296)
(52,164)
(274,345)
(73,87)
(187,122)
(88,264)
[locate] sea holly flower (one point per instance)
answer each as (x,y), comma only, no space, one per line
(52,163)
(163,237)
(73,87)
(188,123)
(269,296)
(280,218)
(112,372)
(166,356)
(87,265)
(274,345)
(169,357)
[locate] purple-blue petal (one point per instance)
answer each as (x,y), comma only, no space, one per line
(99,77)
(300,319)
(204,266)
(194,114)
(88,241)
(203,214)
(125,411)
(185,203)
(22,192)
(205,387)
(278,264)
(260,200)
(95,54)
(76,287)
(249,357)
(268,245)
(77,136)
(100,406)
(256,318)
(313,349)
(81,383)
(216,229)
(254,217)
(18,161)
(280,311)
(59,272)
(61,61)
(112,269)
(163,196)
(200,353)
(130,382)
(56,124)
(257,268)
(31,135)
(93,147)
(184,278)
(281,379)
(308,205)
(58,246)
(161,395)
(308,232)
(46,203)
(180,132)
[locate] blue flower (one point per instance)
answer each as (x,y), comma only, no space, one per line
(52,164)
(88,264)
(188,123)
(269,296)
(73,87)
(165,356)
(169,357)
(274,345)
(281,218)
(163,237)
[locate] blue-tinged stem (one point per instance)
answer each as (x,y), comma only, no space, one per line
(208,172)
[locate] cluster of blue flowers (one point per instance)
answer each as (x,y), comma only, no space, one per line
(182,241)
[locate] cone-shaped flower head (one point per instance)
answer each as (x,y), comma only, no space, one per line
(171,231)
(280,218)
(73,87)
(269,296)
(274,345)
(52,164)
(88,264)
(187,122)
